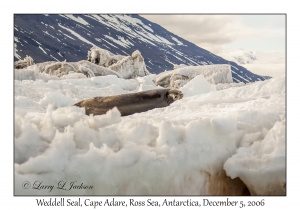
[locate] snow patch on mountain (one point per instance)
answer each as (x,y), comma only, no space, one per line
(177,41)
(66,35)
(77,19)
(16,52)
(46,32)
(75,34)
(54,57)
(42,49)
(121,41)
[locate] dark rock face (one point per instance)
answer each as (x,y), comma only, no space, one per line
(60,37)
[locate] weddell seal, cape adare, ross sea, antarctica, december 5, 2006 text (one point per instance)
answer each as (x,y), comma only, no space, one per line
(131,103)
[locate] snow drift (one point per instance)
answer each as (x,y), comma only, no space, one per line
(27,61)
(128,66)
(102,57)
(192,147)
(63,69)
(108,64)
(260,164)
(176,78)
(131,66)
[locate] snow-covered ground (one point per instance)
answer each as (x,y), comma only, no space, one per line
(183,149)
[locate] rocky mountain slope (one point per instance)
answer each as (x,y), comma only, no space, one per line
(69,37)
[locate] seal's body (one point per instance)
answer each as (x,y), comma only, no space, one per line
(131,103)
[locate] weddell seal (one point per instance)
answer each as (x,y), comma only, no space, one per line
(131,103)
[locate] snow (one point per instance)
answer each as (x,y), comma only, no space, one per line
(98,70)
(16,39)
(110,43)
(122,24)
(214,74)
(42,50)
(127,66)
(146,82)
(54,57)
(104,56)
(124,43)
(15,52)
(176,57)
(260,163)
(192,60)
(178,52)
(146,40)
(165,41)
(149,36)
(179,66)
(219,130)
(75,34)
(196,86)
(21,64)
(30,73)
(134,21)
(46,32)
(98,40)
(131,66)
(177,41)
(113,80)
(60,69)
(101,20)
(182,149)
(56,99)
(37,42)
(66,35)
(77,19)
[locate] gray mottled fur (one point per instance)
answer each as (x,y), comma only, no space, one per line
(131,103)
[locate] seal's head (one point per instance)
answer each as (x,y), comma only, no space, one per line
(173,95)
